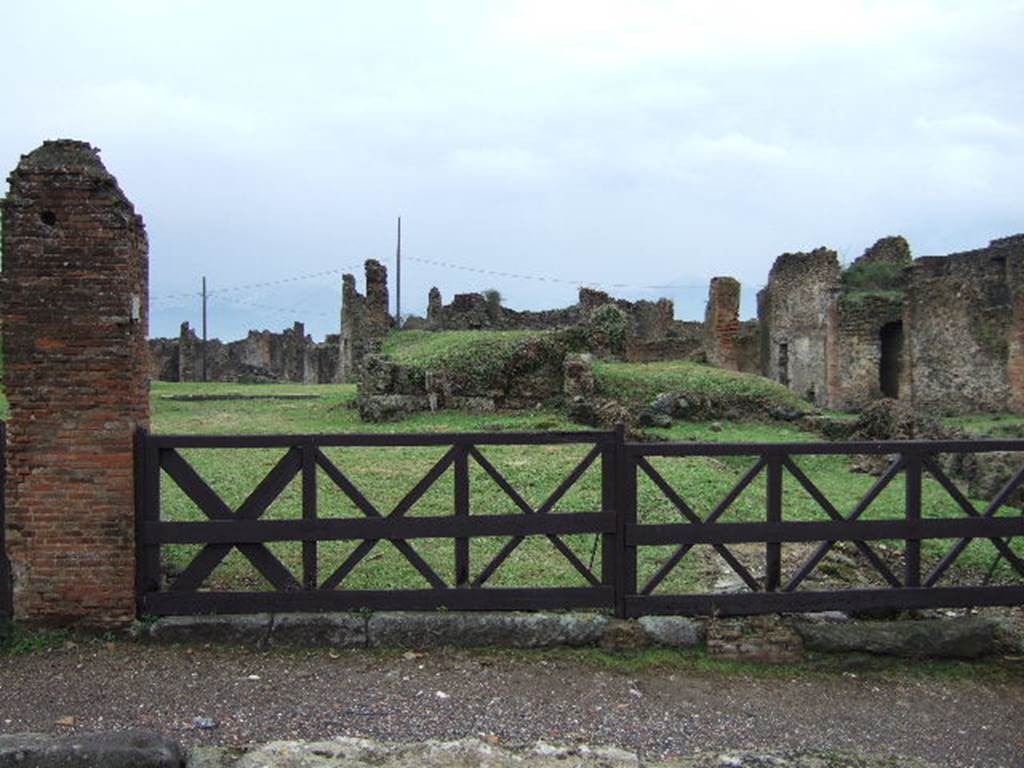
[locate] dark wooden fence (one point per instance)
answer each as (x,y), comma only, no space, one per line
(6,586)
(616,525)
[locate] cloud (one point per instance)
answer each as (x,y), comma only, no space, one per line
(972,127)
(504,163)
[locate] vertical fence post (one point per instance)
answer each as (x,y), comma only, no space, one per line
(625,516)
(6,587)
(461,510)
(309,512)
(773,549)
(147,510)
(609,503)
(912,551)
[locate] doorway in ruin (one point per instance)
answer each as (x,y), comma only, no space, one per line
(891,340)
(783,371)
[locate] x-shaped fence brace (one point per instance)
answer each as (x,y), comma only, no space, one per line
(271,568)
(897,466)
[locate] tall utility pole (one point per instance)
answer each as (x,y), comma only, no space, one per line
(398,277)
(204,328)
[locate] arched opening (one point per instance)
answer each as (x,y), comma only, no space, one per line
(891,339)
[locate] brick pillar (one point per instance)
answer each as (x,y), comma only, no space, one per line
(722,322)
(74,292)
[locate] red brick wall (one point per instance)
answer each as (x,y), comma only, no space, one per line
(74,291)
(722,322)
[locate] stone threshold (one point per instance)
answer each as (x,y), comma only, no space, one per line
(143,749)
(769,638)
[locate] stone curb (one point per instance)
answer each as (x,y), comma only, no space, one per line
(126,749)
(415,629)
(765,638)
(953,638)
(138,749)
(347,752)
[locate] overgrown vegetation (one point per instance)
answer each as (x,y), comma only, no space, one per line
(873,276)
(475,362)
(434,349)
(636,384)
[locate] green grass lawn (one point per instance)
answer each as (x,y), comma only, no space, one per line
(386,474)
(640,383)
(430,348)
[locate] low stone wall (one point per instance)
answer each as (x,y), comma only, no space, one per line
(262,356)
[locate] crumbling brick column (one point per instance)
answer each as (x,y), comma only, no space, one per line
(434,309)
(75,293)
(722,322)
(365,320)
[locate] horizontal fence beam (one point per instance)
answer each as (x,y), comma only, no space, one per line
(883,447)
(833,600)
(459,599)
(386,528)
(383,439)
(825,530)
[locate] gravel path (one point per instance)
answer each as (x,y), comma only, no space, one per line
(510,698)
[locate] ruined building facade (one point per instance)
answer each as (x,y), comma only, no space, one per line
(262,356)
(945,333)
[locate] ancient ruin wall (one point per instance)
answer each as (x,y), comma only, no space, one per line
(722,322)
(262,356)
(648,320)
(365,321)
(75,296)
(963,325)
(861,318)
(796,314)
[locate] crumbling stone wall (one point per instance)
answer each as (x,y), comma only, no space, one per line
(365,321)
(796,311)
(943,332)
(963,322)
(893,249)
(262,356)
(861,320)
(473,311)
(75,312)
(648,321)
(722,323)
(748,347)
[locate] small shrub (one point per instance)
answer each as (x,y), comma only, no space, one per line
(493,298)
(873,276)
(608,325)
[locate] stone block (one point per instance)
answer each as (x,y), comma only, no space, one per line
(673,631)
(623,637)
(250,629)
(515,630)
(318,630)
(127,749)
(960,638)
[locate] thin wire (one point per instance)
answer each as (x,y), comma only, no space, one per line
(264,284)
(282,310)
(548,278)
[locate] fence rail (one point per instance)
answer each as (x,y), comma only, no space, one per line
(616,525)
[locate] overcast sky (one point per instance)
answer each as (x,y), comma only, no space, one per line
(636,143)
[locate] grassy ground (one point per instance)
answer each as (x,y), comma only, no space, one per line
(386,474)
(429,348)
(639,383)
